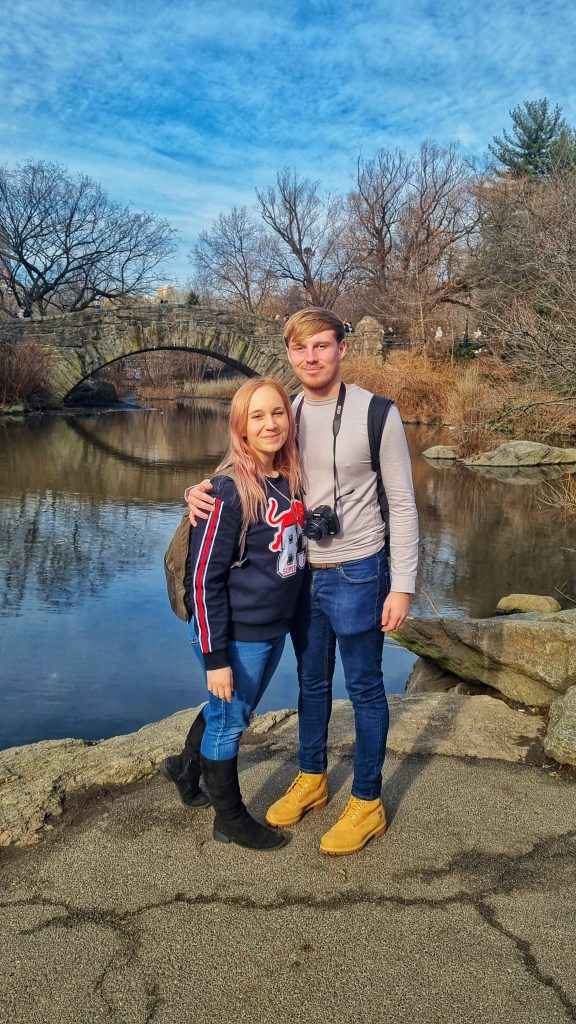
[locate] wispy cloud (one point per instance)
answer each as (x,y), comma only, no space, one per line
(185,107)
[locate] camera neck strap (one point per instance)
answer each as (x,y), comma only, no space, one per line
(335,429)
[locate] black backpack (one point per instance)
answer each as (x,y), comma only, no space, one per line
(377,415)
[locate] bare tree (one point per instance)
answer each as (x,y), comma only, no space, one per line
(526,263)
(309,240)
(377,204)
(64,242)
(436,231)
(231,261)
(413,220)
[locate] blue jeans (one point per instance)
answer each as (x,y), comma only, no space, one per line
(345,605)
(253,664)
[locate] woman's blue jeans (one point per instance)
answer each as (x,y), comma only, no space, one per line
(253,664)
(343,604)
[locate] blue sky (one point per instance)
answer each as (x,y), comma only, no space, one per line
(183,108)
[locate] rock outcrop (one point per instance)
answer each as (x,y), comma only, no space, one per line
(526,603)
(523,453)
(530,658)
(441,451)
(40,781)
(367,338)
(560,739)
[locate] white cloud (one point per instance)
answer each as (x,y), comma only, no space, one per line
(185,107)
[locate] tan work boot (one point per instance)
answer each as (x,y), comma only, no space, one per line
(306,793)
(362,820)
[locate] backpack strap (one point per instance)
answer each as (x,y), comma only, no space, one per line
(377,415)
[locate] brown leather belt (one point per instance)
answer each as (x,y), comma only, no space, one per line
(325,565)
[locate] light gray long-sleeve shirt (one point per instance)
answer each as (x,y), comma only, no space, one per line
(362,527)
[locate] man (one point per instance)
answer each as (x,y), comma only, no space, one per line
(351,598)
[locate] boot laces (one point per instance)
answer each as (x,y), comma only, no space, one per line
(353,808)
(300,784)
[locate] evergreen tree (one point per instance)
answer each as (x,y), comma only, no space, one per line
(537,131)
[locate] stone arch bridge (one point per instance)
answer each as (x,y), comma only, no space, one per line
(80,343)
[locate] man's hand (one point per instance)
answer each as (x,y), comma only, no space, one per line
(394,611)
(220,683)
(200,503)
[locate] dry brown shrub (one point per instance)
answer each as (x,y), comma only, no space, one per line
(419,386)
(539,415)
(561,497)
(473,405)
(24,371)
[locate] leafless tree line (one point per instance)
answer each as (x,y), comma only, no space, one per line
(394,246)
(419,241)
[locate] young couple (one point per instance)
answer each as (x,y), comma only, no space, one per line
(249,584)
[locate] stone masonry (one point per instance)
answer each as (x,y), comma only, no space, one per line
(83,342)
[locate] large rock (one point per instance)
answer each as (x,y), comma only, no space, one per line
(429,677)
(367,338)
(441,451)
(560,740)
(39,781)
(526,603)
(530,658)
(523,453)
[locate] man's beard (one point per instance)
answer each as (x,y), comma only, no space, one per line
(318,381)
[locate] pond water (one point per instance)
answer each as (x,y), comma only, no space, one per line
(88,644)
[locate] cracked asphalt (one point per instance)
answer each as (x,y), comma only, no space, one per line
(463,912)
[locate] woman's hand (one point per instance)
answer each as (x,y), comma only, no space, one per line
(200,503)
(220,683)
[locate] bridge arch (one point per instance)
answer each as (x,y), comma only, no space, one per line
(81,343)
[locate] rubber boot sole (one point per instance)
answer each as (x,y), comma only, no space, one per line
(318,806)
(345,853)
(199,801)
(221,837)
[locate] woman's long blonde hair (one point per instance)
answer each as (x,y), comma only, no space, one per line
(242,462)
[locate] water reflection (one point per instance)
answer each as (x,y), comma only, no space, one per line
(88,646)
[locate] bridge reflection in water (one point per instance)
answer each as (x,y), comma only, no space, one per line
(88,644)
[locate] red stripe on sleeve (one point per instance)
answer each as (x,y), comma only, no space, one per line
(203,559)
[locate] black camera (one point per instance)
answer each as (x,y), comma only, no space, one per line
(321,522)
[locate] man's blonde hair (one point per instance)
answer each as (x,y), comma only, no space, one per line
(306,322)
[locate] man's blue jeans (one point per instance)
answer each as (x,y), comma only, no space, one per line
(343,604)
(253,664)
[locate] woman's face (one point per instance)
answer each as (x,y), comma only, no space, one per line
(267,424)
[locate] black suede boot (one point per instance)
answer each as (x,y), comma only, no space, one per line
(184,769)
(233,823)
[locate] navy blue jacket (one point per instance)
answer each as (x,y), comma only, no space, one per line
(256,598)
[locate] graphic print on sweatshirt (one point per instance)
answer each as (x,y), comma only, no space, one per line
(287,539)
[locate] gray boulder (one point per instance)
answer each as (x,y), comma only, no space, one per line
(367,339)
(560,739)
(523,453)
(526,603)
(440,451)
(530,658)
(429,677)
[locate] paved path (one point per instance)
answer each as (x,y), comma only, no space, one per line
(463,912)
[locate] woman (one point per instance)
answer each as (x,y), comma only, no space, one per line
(243,578)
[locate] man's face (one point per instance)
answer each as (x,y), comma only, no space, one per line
(316,361)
